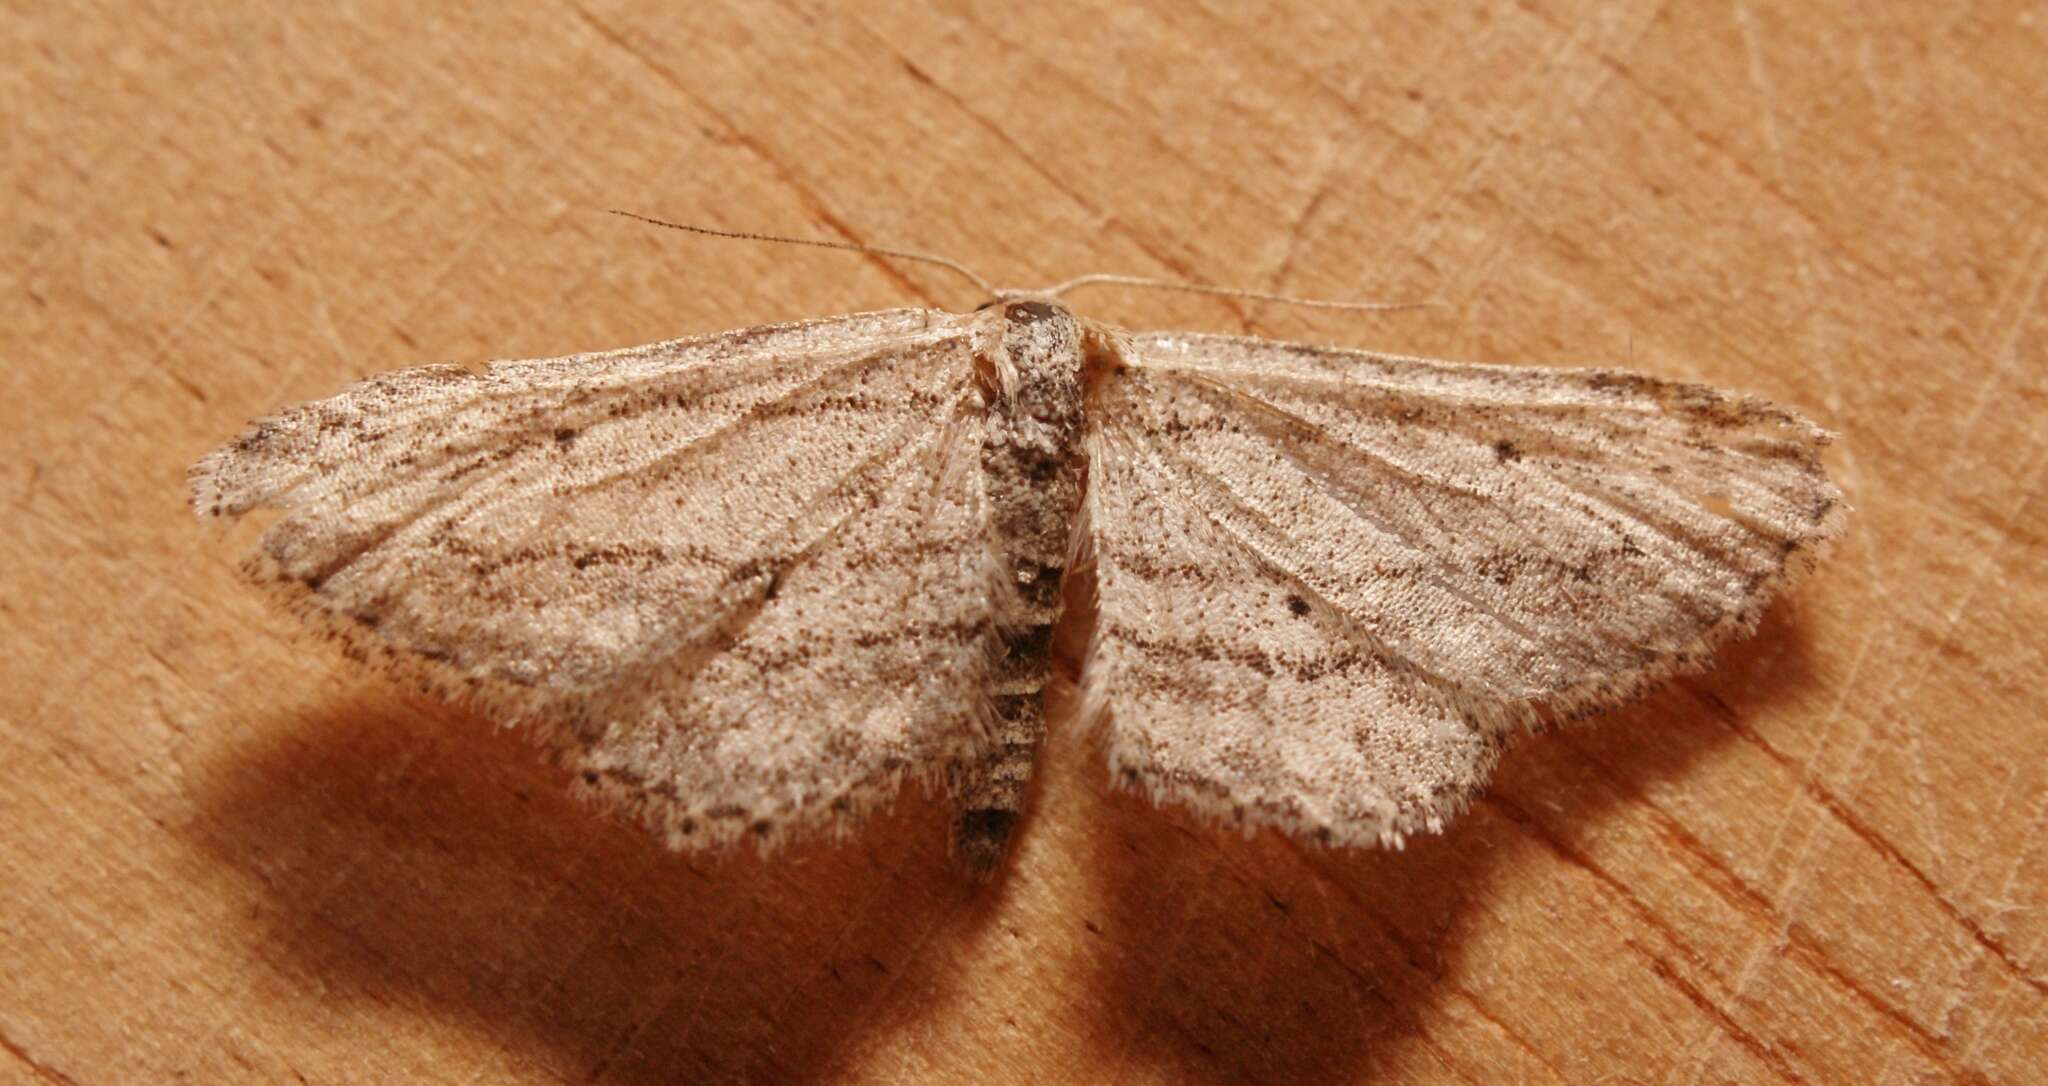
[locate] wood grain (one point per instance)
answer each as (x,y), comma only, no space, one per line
(230,857)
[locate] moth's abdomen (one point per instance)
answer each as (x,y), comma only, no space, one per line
(1030,460)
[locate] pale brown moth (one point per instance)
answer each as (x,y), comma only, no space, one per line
(743,584)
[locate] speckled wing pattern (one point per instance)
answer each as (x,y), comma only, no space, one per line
(1333,583)
(743,584)
(738,583)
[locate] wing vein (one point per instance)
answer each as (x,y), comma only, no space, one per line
(1433,562)
(880,467)
(1324,384)
(1195,476)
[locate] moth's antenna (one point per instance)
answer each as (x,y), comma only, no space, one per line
(954,266)
(1227,292)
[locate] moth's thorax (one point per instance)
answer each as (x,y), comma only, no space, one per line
(1031,359)
(1020,332)
(1027,339)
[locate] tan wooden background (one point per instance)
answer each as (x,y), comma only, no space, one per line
(225,855)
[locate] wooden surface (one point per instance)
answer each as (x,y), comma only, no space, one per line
(228,856)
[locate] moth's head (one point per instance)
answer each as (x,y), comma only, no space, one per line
(1031,311)
(1023,306)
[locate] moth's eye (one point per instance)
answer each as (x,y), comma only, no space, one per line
(1027,312)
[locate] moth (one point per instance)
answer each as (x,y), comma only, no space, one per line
(744,584)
